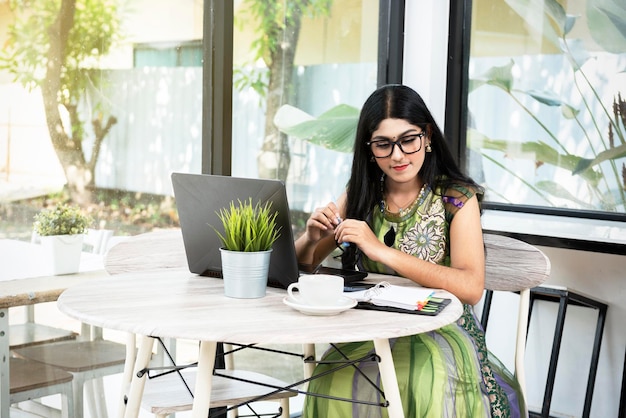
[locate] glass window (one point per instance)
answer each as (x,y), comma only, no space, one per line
(546,103)
(129,103)
(321,56)
(168,55)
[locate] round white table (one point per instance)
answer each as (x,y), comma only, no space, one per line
(173,303)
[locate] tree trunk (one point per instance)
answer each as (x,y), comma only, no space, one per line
(274,157)
(79,172)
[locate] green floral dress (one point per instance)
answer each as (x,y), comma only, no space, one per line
(443,373)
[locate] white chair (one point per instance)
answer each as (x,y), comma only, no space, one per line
(96,240)
(87,358)
(167,394)
(30,332)
(515,266)
(30,380)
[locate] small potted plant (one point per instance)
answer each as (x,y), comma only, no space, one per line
(249,233)
(62,230)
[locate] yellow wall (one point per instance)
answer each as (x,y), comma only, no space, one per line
(349,34)
(499,31)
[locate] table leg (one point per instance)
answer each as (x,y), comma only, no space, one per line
(4,363)
(389,379)
(137,383)
(308,350)
(129,367)
(206,362)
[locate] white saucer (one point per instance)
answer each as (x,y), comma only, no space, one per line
(343,304)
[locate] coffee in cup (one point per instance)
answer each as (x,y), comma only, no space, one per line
(317,289)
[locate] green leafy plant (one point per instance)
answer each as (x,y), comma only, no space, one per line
(248,228)
(600,126)
(61,220)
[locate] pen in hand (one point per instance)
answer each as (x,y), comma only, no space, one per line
(343,244)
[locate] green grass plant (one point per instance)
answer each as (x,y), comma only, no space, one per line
(248,227)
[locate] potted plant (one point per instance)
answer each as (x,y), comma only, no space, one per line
(249,233)
(61,230)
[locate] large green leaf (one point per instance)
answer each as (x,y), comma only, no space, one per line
(576,53)
(499,76)
(559,191)
(568,111)
(546,97)
(606,20)
(610,154)
(335,129)
(538,151)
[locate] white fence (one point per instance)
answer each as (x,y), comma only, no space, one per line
(159,128)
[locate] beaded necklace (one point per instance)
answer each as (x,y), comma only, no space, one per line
(384,207)
(390,236)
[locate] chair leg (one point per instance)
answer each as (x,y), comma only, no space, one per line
(77,393)
(96,397)
(554,355)
(90,398)
(595,357)
(520,348)
(622,398)
(67,402)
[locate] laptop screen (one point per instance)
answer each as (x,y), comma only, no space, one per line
(200,197)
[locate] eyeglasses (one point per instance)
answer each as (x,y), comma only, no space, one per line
(383,148)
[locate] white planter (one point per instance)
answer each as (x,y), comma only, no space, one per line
(63,252)
(245,273)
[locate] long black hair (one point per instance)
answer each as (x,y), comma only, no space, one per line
(440,170)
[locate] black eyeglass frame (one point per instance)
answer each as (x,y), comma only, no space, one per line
(398,143)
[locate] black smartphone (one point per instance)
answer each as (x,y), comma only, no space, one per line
(349,276)
(357,286)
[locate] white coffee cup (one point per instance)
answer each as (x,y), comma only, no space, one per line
(317,289)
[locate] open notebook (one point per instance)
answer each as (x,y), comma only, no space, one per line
(407,299)
(199,197)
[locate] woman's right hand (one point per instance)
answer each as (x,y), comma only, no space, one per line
(318,240)
(322,222)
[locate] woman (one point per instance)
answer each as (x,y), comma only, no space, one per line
(408,210)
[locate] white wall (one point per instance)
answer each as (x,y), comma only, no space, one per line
(425,52)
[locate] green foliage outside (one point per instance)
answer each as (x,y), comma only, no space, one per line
(95,29)
(248,228)
(606,22)
(276,25)
(56,46)
(335,129)
(61,220)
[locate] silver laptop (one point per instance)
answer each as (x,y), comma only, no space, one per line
(199,198)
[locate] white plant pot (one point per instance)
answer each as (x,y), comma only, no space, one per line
(63,252)
(245,273)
